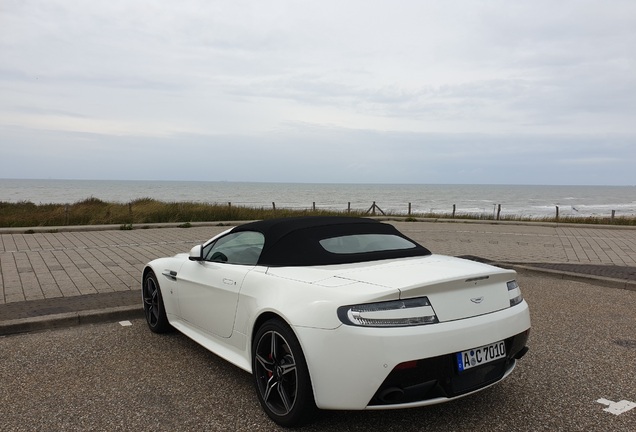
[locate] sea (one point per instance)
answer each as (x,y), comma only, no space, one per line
(533,201)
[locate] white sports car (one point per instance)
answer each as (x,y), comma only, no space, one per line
(341,313)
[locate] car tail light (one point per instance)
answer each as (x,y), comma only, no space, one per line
(514,292)
(398,313)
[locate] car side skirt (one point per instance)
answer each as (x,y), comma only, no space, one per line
(226,348)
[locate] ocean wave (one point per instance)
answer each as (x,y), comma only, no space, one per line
(527,201)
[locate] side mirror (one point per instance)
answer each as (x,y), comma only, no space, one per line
(195,254)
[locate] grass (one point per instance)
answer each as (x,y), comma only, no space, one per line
(93,211)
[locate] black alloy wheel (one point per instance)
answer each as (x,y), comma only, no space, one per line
(281,375)
(153,305)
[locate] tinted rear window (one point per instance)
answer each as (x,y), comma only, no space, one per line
(361,243)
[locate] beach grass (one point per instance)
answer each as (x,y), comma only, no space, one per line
(93,211)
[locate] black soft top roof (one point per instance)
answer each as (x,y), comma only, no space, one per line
(295,241)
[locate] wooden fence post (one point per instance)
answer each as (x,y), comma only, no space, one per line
(557,213)
(454,208)
(498,211)
(613,214)
(373,208)
(274,205)
(409,209)
(349,207)
(313,206)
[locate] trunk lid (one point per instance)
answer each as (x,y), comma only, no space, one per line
(456,288)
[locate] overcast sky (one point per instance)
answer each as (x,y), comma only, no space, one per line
(501,92)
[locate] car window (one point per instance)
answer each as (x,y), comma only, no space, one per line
(360,243)
(235,248)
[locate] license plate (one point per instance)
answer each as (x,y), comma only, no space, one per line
(479,356)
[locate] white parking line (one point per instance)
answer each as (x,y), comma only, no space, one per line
(617,408)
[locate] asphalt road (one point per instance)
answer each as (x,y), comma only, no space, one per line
(114,377)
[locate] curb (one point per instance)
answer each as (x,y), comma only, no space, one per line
(116,227)
(70,319)
(578,277)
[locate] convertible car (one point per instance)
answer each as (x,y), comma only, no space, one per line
(341,313)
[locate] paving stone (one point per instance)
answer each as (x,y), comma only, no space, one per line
(53,272)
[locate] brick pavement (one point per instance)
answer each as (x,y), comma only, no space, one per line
(50,272)
(66,264)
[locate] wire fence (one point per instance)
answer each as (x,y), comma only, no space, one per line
(408,209)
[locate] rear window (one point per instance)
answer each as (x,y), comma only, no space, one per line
(361,243)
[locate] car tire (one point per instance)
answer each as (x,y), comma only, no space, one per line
(281,376)
(154,309)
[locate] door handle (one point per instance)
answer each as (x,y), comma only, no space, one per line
(227,281)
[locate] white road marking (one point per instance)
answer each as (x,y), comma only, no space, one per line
(617,408)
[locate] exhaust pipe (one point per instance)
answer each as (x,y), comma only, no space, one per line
(521,353)
(391,395)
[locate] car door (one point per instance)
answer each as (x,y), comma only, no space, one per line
(208,289)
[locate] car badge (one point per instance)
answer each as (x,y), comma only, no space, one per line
(477,299)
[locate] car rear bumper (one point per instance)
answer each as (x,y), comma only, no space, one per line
(355,367)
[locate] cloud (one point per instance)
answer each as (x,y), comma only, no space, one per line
(378,91)
(310,153)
